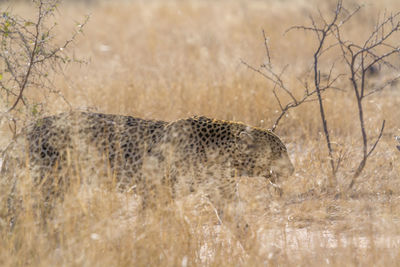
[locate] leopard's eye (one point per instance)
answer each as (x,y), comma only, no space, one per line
(252,146)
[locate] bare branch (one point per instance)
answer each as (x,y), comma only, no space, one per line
(365,158)
(377,139)
(386,84)
(360,59)
(257,70)
(305,28)
(277,99)
(266,47)
(27,51)
(378,49)
(380,28)
(380,58)
(275,78)
(32,57)
(281,83)
(355,11)
(291,105)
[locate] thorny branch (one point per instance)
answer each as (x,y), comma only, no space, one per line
(28,55)
(356,57)
(32,56)
(359,59)
(322,33)
(267,72)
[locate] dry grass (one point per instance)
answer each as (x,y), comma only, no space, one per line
(171,59)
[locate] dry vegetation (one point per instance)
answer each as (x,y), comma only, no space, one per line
(172,59)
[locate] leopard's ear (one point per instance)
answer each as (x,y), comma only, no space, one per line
(246,139)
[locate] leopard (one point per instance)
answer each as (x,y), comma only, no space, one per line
(110,142)
(141,155)
(52,151)
(215,152)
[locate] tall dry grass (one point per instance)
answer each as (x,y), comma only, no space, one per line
(172,59)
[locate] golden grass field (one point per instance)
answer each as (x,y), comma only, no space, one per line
(173,59)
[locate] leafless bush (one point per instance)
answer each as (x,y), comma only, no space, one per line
(29,57)
(357,61)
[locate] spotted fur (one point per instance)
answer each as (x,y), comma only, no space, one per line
(186,154)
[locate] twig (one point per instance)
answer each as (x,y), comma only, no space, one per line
(377,139)
(266,47)
(32,58)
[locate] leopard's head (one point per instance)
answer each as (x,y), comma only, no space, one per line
(261,153)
